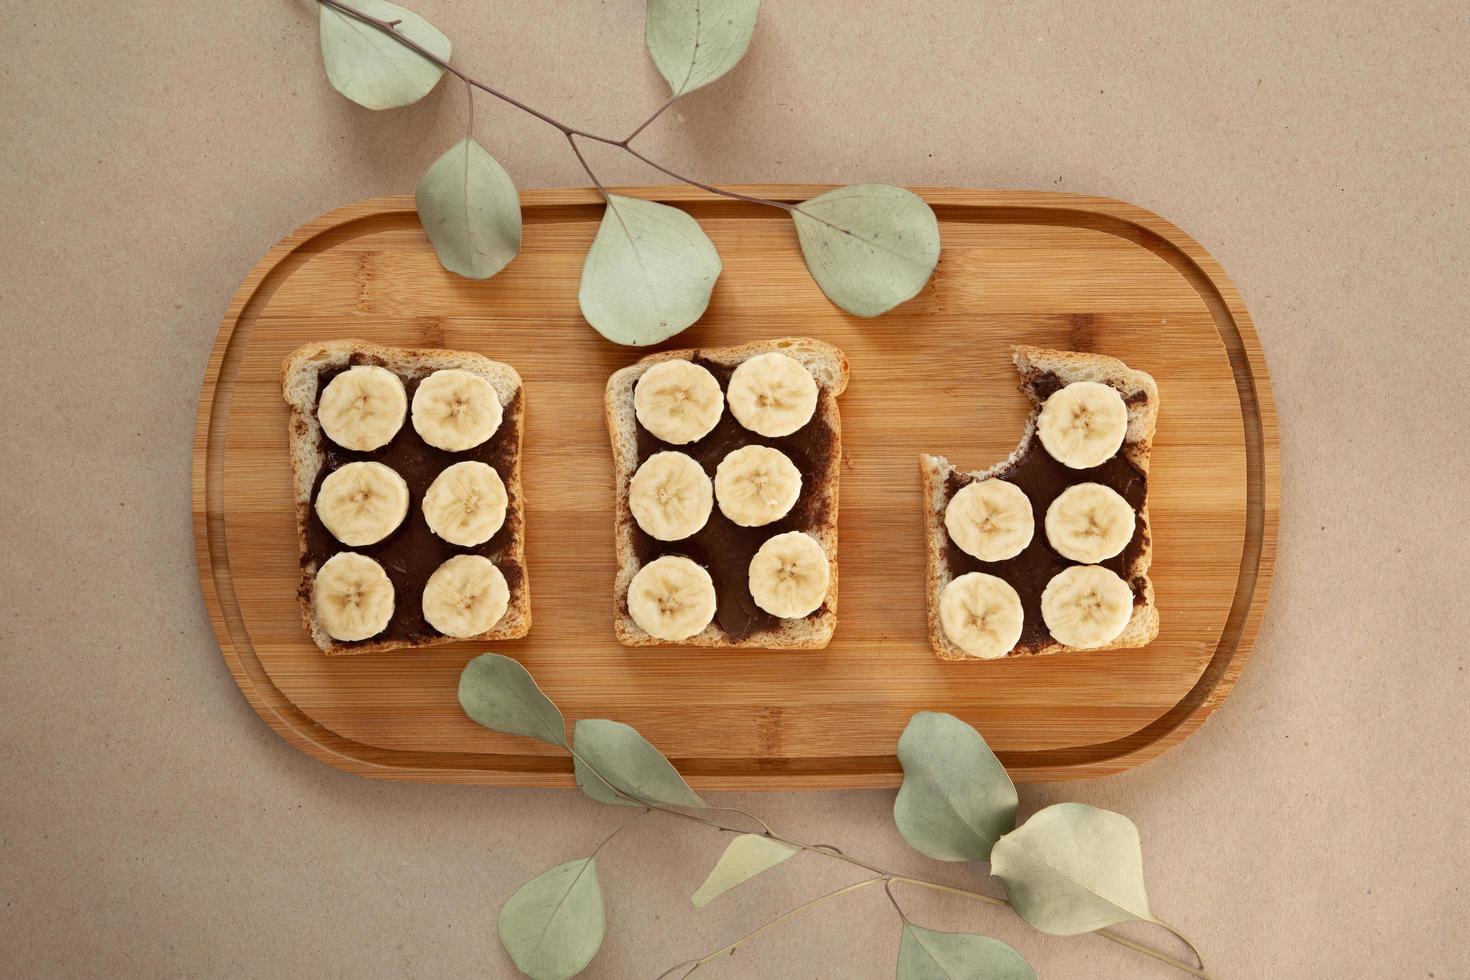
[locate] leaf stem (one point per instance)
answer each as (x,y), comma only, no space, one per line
(585,166)
(1155,954)
(778,919)
(645,123)
(390,28)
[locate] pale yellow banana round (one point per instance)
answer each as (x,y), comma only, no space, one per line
(672,598)
(1083,424)
(1089,522)
(772,394)
(756,485)
(352,597)
(678,401)
(670,496)
(1086,606)
(455,410)
(981,614)
(362,503)
(990,520)
(465,505)
(466,596)
(362,408)
(789,575)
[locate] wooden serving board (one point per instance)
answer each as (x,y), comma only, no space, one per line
(933,375)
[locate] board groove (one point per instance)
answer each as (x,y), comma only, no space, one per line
(772,721)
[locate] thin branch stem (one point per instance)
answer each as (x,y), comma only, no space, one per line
(722,951)
(572,140)
(888,890)
(937,887)
(618,830)
(390,28)
(645,123)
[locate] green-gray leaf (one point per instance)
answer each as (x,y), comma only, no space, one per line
(694,42)
(625,759)
(924,954)
(747,856)
(1073,868)
(371,68)
(470,210)
(648,274)
(956,800)
(552,926)
(869,246)
(500,694)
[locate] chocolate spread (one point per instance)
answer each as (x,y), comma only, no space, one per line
(412,552)
(723,547)
(1043,479)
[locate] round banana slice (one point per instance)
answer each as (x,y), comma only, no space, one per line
(672,598)
(678,401)
(456,410)
(772,394)
(670,496)
(352,597)
(1086,606)
(789,575)
(362,408)
(362,503)
(756,485)
(1089,523)
(981,615)
(466,596)
(990,520)
(1083,424)
(465,505)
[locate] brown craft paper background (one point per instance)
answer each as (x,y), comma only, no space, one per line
(151,824)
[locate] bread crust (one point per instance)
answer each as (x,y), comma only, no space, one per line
(1143,414)
(829,366)
(299,373)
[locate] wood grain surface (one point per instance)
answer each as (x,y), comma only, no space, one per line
(934,375)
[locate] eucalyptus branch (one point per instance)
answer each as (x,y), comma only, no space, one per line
(390,28)
(723,950)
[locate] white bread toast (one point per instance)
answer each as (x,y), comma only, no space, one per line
(301,372)
(815,512)
(1141,396)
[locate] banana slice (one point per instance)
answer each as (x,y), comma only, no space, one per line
(678,401)
(352,597)
(362,408)
(672,598)
(465,505)
(1089,523)
(772,394)
(466,596)
(1086,606)
(1083,424)
(990,520)
(362,503)
(456,410)
(670,496)
(756,485)
(789,575)
(981,615)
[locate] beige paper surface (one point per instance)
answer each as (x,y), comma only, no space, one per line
(151,824)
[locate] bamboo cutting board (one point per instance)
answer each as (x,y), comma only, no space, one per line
(934,375)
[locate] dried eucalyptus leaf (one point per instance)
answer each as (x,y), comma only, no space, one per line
(552,926)
(924,954)
(648,274)
(1073,868)
(500,694)
(694,42)
(869,246)
(371,68)
(471,211)
(747,856)
(956,799)
(626,760)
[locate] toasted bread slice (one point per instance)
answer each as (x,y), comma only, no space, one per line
(1037,367)
(412,551)
(815,512)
